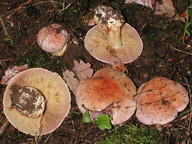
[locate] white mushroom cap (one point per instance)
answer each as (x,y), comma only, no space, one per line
(159,101)
(108,91)
(57,96)
(98,45)
(52,38)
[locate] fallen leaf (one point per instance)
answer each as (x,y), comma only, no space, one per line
(71,81)
(10,72)
(165,7)
(82,70)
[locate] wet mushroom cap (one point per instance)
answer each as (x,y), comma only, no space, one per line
(110,92)
(52,38)
(159,101)
(55,92)
(97,44)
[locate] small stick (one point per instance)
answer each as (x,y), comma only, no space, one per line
(4,126)
(53,3)
(3,25)
(16,9)
(188,53)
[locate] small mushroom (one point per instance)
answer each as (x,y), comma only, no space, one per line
(112,40)
(109,92)
(159,101)
(36,101)
(53,39)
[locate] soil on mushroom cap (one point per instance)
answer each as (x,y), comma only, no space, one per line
(28,101)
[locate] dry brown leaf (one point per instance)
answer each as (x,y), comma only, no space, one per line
(165,7)
(71,81)
(82,70)
(10,72)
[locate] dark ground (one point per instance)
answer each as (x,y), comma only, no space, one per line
(159,34)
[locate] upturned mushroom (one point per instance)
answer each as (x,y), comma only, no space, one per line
(53,39)
(112,40)
(36,101)
(109,92)
(159,101)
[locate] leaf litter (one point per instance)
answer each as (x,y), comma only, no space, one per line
(81,70)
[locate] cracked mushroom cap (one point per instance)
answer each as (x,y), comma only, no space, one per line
(53,38)
(108,92)
(159,101)
(52,88)
(97,43)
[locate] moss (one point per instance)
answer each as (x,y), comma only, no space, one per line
(131,134)
(36,57)
(11,136)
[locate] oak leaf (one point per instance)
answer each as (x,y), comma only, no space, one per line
(82,70)
(10,72)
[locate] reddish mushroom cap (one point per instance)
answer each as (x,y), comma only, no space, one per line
(97,44)
(52,38)
(159,101)
(108,91)
(57,96)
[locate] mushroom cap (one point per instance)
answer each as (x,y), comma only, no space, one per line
(52,38)
(107,91)
(57,96)
(159,101)
(98,46)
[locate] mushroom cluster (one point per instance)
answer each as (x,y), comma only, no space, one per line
(109,92)
(53,39)
(112,40)
(36,101)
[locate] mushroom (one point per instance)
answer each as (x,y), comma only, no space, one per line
(112,40)
(53,39)
(36,101)
(109,92)
(159,101)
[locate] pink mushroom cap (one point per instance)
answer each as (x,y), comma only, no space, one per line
(52,38)
(110,92)
(159,101)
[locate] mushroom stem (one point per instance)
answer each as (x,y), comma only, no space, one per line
(115,38)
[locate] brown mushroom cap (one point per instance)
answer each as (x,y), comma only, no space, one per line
(53,38)
(96,42)
(57,96)
(110,92)
(160,100)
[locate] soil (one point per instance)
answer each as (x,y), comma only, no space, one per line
(164,54)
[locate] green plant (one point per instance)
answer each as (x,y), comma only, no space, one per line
(8,40)
(131,134)
(103,121)
(188,24)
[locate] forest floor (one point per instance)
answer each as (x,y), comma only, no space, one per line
(164,54)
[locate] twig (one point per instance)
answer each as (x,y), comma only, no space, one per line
(188,53)
(53,3)
(3,25)
(4,126)
(4,60)
(16,9)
